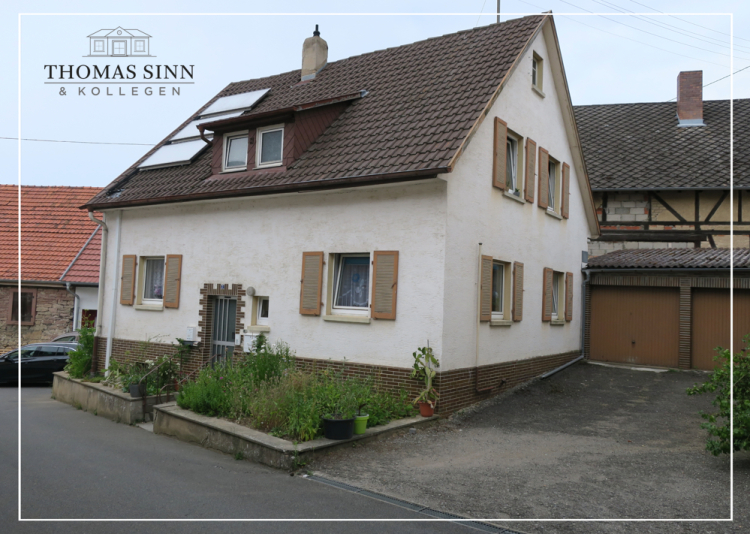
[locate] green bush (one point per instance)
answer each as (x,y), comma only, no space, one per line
(79,359)
(266,392)
(717,424)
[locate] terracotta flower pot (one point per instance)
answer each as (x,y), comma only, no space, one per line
(425,410)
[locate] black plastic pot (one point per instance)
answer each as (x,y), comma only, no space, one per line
(137,390)
(338,428)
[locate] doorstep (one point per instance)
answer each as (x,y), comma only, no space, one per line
(254,445)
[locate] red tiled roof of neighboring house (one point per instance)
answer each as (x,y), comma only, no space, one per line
(85,267)
(671,258)
(422,101)
(53,232)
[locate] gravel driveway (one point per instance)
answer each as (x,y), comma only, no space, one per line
(589,442)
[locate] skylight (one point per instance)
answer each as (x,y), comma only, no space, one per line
(174,154)
(191,129)
(242,101)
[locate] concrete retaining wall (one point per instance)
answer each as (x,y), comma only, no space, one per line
(102,400)
(256,446)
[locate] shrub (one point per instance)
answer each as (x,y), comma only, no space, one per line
(79,359)
(717,424)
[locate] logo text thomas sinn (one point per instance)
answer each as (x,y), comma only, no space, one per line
(89,77)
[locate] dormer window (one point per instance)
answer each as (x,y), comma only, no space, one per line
(270,146)
(235,152)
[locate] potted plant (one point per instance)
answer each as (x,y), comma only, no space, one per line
(424,363)
(338,422)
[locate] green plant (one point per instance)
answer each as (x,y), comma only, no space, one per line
(79,359)
(424,363)
(239,456)
(719,439)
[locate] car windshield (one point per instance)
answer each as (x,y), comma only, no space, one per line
(26,352)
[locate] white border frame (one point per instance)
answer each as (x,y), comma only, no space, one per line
(500,520)
(259,145)
(225,154)
(338,265)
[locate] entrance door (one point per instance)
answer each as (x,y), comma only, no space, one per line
(635,325)
(222,331)
(119,48)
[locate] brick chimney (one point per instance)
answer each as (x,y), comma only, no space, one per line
(314,55)
(690,98)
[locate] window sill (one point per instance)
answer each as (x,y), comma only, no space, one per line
(257,328)
(557,322)
(347,319)
(514,197)
(230,171)
(538,91)
(272,166)
(148,307)
(553,214)
(501,322)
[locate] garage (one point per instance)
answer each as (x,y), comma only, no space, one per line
(635,325)
(665,307)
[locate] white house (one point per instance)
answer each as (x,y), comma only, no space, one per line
(359,209)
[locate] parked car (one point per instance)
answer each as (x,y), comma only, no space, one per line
(38,362)
(70,336)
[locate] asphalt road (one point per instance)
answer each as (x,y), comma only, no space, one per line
(76,465)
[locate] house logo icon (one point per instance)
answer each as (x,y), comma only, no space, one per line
(119,43)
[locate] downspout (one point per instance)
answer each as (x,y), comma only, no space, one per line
(76,306)
(113,310)
(100,289)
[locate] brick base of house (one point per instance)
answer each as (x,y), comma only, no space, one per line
(458,388)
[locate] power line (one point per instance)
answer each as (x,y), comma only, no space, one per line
(671,27)
(480,13)
(722,78)
(692,23)
(628,38)
(77,142)
(654,34)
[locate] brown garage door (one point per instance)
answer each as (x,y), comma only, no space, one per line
(711,323)
(636,325)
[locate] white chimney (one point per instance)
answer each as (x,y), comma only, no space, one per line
(314,55)
(690,98)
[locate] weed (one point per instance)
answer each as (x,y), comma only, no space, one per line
(239,456)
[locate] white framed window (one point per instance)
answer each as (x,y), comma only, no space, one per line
(558,291)
(537,71)
(235,152)
(269,146)
(140,46)
(498,289)
(554,185)
(351,284)
(152,284)
(98,46)
(261,314)
(511,164)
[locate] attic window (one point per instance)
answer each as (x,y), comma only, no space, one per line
(270,146)
(537,73)
(235,151)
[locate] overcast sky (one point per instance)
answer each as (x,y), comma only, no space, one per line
(607,59)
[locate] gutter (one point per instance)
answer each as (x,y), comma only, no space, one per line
(113,310)
(77,306)
(100,292)
(667,270)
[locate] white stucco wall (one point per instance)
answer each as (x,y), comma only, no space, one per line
(510,231)
(259,242)
(88,297)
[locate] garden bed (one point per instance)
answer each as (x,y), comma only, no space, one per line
(254,445)
(105,401)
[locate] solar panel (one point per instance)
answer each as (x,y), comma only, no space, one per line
(231,103)
(191,129)
(175,154)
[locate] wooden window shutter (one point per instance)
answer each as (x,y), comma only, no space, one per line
(517,308)
(543,178)
(127,280)
(530,168)
(485,290)
(565,190)
(499,168)
(547,295)
(172,276)
(385,284)
(311,282)
(568,296)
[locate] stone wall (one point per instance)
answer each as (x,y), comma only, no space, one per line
(54,316)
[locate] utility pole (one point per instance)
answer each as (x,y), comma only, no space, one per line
(498,11)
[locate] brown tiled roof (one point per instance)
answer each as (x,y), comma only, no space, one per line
(640,146)
(671,258)
(53,231)
(422,100)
